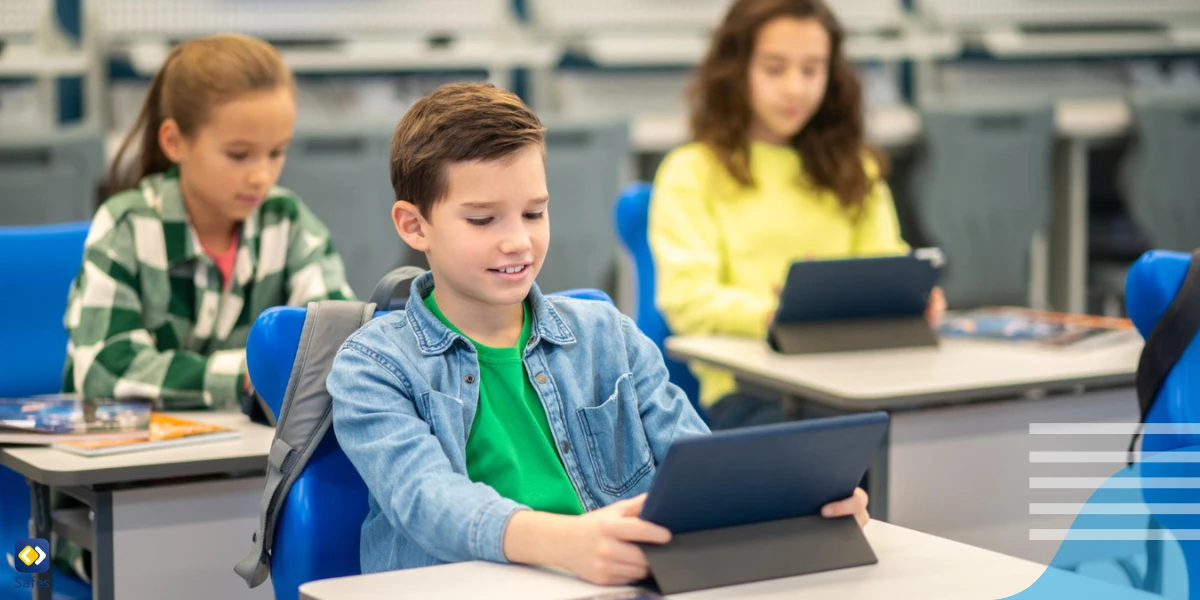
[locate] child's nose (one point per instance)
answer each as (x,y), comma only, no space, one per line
(517,241)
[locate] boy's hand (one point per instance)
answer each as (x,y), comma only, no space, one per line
(855,505)
(601,547)
(936,307)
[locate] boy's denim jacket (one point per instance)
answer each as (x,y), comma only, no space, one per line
(405,389)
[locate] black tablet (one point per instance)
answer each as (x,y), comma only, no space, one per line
(881,287)
(760,474)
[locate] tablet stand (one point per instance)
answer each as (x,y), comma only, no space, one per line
(757,552)
(845,335)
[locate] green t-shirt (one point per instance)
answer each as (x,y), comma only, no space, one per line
(510,447)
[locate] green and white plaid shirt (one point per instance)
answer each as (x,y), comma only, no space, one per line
(148,315)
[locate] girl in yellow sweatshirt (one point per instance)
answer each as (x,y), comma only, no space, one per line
(778,171)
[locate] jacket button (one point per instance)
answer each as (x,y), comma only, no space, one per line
(469,379)
(540,378)
(566,448)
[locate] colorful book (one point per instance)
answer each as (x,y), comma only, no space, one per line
(166,431)
(1038,328)
(57,418)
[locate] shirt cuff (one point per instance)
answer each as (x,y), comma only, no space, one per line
(488,527)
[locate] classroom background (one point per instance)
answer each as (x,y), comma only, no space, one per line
(1043,145)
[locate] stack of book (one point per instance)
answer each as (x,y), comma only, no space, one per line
(99,427)
(52,419)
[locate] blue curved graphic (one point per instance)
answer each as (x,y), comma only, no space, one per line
(1144,517)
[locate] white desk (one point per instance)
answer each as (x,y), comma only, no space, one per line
(957,371)
(911,565)
(166,523)
(961,418)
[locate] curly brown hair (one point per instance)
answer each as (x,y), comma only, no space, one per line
(832,144)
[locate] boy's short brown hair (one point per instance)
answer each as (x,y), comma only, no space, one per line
(458,122)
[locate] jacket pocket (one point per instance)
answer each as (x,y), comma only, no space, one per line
(616,440)
(444,414)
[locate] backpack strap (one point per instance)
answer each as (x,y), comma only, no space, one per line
(1170,338)
(303,420)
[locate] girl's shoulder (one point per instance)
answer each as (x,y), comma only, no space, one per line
(692,162)
(694,155)
(144,199)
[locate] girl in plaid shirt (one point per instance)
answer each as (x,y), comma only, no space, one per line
(196,239)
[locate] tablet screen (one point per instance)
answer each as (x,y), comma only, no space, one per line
(759,474)
(878,287)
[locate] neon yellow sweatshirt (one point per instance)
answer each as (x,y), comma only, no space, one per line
(722,250)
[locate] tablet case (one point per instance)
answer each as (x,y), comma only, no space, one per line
(758,552)
(743,505)
(856,304)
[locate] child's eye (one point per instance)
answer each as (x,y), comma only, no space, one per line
(278,153)
(533,216)
(480,222)
(238,156)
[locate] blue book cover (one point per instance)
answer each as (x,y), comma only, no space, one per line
(55,418)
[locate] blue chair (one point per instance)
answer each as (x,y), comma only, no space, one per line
(1151,286)
(317,535)
(633,216)
(38,262)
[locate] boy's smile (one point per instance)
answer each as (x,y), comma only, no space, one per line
(512,272)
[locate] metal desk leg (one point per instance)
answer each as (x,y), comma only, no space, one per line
(102,554)
(100,541)
(39,527)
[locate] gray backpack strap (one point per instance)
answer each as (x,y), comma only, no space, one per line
(303,420)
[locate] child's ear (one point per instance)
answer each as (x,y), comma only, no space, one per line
(410,225)
(170,139)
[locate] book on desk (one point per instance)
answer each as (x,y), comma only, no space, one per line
(57,418)
(1029,327)
(166,431)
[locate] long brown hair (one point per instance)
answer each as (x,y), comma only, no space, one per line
(197,75)
(831,145)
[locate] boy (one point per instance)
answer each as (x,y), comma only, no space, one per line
(491,422)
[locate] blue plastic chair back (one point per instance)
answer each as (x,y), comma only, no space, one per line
(38,262)
(317,535)
(1151,286)
(632,220)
